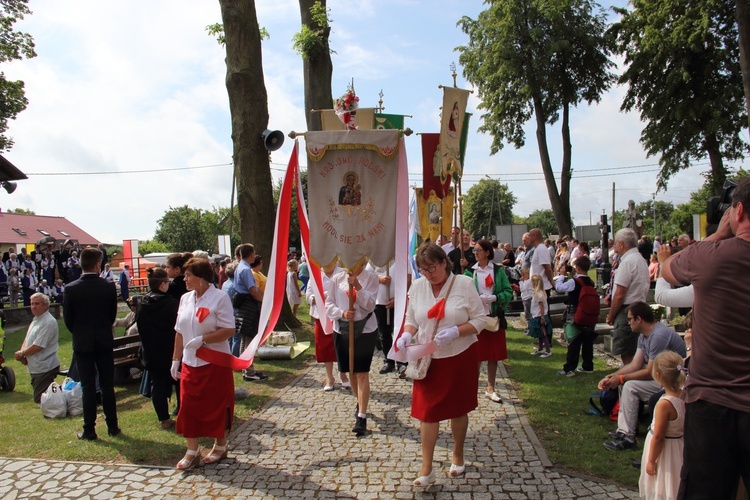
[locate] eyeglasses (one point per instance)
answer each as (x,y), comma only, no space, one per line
(477,250)
(631,319)
(431,269)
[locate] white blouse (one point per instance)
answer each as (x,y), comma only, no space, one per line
(221,315)
(337,300)
(463,306)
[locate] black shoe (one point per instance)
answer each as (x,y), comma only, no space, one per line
(87,436)
(387,368)
(114,432)
(616,434)
(620,444)
(176,411)
(636,464)
(254,377)
(402,372)
(360,428)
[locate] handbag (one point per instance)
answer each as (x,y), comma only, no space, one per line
(417,368)
(493,324)
(359,326)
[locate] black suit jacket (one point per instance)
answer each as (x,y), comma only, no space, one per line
(89,311)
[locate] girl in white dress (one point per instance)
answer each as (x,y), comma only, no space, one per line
(662,452)
(293,293)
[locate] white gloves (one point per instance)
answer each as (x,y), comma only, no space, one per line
(488,298)
(175,369)
(195,343)
(446,337)
(404,340)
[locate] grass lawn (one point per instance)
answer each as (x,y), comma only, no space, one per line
(556,407)
(27,434)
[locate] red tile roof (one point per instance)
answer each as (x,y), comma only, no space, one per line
(59,228)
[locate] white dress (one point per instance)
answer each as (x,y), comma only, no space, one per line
(292,288)
(666,482)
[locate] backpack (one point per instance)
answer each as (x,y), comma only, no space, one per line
(609,403)
(587,311)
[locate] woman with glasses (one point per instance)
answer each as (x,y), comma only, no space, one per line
(495,291)
(444,309)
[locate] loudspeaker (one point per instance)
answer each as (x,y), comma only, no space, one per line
(9,186)
(272,139)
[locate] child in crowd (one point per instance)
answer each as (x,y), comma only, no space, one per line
(662,451)
(526,293)
(293,293)
(540,326)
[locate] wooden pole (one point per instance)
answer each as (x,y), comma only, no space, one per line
(351,339)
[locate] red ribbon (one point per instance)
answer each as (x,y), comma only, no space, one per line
(222,359)
(488,281)
(438,310)
(202,313)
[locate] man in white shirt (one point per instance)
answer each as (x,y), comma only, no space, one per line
(453,243)
(540,261)
(631,284)
(39,349)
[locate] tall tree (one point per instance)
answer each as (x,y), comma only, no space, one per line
(742,16)
(294,232)
(487,204)
(248,105)
(537,58)
(14,45)
(685,79)
(544,219)
(317,68)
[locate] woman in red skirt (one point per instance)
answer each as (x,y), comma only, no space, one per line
(495,291)
(205,319)
(324,350)
(444,309)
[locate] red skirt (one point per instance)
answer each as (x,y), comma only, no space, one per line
(450,388)
(324,351)
(492,346)
(206,401)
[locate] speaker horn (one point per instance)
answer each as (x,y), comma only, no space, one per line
(272,139)
(9,186)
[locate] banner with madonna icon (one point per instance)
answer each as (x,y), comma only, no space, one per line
(352,181)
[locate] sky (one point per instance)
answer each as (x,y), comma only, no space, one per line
(128,112)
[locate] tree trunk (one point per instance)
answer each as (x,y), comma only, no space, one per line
(248,106)
(566,168)
(317,70)
(563,222)
(718,171)
(742,15)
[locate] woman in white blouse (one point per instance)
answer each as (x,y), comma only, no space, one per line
(365,286)
(205,319)
(449,390)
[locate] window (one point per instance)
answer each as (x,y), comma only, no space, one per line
(45,233)
(63,233)
(22,233)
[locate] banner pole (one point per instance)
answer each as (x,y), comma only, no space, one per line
(351,342)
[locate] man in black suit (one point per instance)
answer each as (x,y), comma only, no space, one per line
(89,310)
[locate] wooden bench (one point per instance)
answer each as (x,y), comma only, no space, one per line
(125,350)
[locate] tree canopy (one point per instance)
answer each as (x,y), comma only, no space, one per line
(543,219)
(184,229)
(684,78)
(14,45)
(537,58)
(487,204)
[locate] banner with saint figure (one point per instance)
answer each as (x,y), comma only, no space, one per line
(352,184)
(451,128)
(435,214)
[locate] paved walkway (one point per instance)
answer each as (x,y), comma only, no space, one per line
(301,445)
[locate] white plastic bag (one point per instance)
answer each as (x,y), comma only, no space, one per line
(73,397)
(53,402)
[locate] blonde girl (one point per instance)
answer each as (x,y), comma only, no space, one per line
(293,293)
(540,326)
(662,451)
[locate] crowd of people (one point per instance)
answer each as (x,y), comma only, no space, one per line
(458,304)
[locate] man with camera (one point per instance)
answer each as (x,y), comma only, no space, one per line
(717,393)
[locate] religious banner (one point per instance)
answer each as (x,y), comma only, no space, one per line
(451,128)
(431,170)
(435,214)
(364,119)
(352,181)
(386,122)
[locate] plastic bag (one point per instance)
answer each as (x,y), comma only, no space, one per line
(73,397)
(53,402)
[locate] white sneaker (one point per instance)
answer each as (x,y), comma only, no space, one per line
(535,352)
(493,396)
(545,355)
